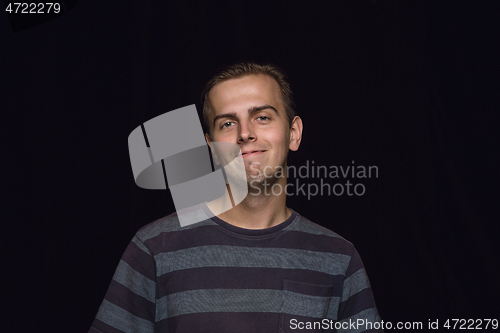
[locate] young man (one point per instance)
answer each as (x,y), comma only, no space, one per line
(258,267)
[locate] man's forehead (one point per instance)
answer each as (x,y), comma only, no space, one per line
(244,90)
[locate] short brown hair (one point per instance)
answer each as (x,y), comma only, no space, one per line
(241,69)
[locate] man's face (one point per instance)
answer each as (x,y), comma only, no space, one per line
(249,111)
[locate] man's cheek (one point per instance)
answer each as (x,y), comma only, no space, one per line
(254,170)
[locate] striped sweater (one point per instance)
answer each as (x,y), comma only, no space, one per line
(212,276)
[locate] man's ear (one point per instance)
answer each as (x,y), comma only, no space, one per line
(207,138)
(214,155)
(295,133)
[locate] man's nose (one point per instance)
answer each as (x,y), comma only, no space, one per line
(246,132)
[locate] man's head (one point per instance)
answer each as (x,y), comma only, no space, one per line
(251,105)
(244,69)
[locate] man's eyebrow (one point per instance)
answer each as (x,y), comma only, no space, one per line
(225,115)
(250,111)
(260,108)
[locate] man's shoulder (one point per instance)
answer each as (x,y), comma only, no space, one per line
(303,224)
(315,230)
(170,224)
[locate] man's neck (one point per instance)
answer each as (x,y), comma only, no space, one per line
(258,211)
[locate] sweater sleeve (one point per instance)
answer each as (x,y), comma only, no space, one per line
(357,304)
(130,302)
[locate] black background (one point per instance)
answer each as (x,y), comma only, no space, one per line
(409,86)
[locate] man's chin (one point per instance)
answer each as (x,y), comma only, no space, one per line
(257,183)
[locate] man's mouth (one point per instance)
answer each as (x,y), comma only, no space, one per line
(251,153)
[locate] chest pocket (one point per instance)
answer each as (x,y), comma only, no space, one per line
(304,306)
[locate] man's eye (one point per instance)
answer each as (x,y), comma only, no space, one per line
(226,124)
(263,118)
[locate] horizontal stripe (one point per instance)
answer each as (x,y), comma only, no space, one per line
(242,300)
(135,281)
(220,300)
(100,327)
(210,235)
(242,278)
(140,244)
(124,298)
(370,315)
(304,225)
(355,283)
(233,256)
(122,320)
(357,303)
(312,242)
(355,264)
(289,323)
(234,322)
(142,262)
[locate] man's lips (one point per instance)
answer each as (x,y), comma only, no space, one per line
(252,153)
